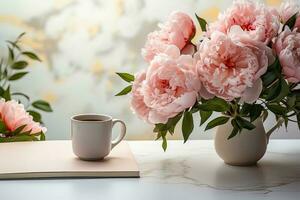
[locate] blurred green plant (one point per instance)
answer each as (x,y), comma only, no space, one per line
(13,68)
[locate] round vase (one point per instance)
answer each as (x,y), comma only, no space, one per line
(244,149)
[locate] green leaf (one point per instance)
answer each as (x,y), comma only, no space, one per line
(18,130)
(273,91)
(172,122)
(2,127)
(272,74)
(215,104)
(291,100)
(298,120)
(1,91)
(160,127)
(187,125)
(164,143)
(125,91)
(169,126)
(13,44)
(126,77)
(286,121)
(233,133)
(216,122)
(235,129)
(202,22)
(5,72)
(245,109)
(276,109)
(42,105)
(275,66)
(204,115)
(20,36)
(29,133)
(35,115)
(278,90)
(42,136)
(17,76)
(291,22)
(297,106)
(162,134)
(19,138)
(21,94)
(284,90)
(269,78)
(255,112)
(31,55)
(296,93)
(243,123)
(11,55)
(158,136)
(6,94)
(19,65)
(251,110)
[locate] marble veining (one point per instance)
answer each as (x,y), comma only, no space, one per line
(196,163)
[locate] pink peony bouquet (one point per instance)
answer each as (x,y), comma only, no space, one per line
(245,64)
(19,122)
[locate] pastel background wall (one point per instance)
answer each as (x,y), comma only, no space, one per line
(83,43)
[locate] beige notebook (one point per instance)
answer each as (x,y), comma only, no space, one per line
(56,159)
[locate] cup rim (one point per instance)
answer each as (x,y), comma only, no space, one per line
(108,118)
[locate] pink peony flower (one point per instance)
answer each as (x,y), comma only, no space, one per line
(230,66)
(14,115)
(287,47)
(169,86)
(137,99)
(287,9)
(177,31)
(259,22)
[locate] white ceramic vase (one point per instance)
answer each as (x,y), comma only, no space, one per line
(245,148)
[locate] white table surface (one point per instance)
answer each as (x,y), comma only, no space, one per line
(190,171)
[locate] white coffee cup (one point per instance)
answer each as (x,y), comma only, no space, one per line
(92,135)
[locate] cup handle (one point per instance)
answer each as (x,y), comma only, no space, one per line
(122,134)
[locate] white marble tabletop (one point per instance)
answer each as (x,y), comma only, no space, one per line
(189,171)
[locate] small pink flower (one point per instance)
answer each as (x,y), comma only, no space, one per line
(259,22)
(14,115)
(230,66)
(177,31)
(287,47)
(287,9)
(169,86)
